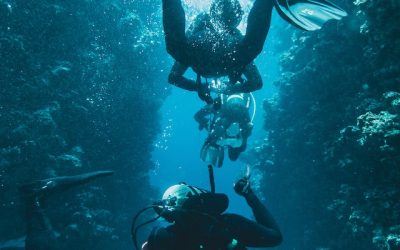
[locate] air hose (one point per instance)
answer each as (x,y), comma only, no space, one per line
(134,229)
(254,107)
(212,181)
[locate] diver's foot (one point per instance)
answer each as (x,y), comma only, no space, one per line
(50,185)
(212,154)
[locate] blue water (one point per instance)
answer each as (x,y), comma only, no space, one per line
(178,148)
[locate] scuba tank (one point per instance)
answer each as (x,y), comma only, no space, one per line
(235,107)
(186,197)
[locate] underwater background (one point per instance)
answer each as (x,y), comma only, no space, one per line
(83,87)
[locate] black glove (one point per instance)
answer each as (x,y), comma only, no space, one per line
(204,94)
(202,126)
(242,187)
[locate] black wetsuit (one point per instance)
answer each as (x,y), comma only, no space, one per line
(193,231)
(39,232)
(215,54)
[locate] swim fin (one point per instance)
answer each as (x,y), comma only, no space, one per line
(46,186)
(213,155)
(308,15)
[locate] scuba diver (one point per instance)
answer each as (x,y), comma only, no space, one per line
(39,232)
(214,47)
(199,221)
(229,125)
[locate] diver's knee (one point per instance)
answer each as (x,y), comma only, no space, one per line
(171,78)
(171,51)
(258,85)
(256,50)
(172,46)
(177,51)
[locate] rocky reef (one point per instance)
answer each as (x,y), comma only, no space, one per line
(79,92)
(331,157)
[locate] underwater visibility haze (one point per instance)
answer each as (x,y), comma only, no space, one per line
(84,88)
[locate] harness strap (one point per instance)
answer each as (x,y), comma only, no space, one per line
(198,80)
(212,181)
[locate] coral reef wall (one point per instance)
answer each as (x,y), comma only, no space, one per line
(331,158)
(79,92)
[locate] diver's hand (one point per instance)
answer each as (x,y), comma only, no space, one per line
(203,123)
(223,88)
(202,126)
(230,88)
(204,94)
(242,187)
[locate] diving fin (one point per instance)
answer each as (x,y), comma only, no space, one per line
(213,155)
(308,15)
(51,185)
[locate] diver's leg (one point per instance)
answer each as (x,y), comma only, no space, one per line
(217,131)
(218,128)
(39,232)
(40,235)
(174,30)
(235,152)
(258,24)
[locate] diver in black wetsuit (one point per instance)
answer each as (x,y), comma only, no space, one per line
(229,127)
(39,232)
(214,47)
(199,221)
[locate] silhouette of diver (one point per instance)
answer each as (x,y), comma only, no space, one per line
(214,47)
(39,232)
(229,125)
(199,221)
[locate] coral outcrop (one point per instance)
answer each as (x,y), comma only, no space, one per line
(79,92)
(331,159)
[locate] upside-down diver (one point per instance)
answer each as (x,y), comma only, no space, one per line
(214,47)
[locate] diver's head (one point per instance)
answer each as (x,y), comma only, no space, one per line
(176,196)
(229,13)
(183,196)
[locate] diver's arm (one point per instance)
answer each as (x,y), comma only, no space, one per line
(253,76)
(263,233)
(262,215)
(250,233)
(252,83)
(176,78)
(201,116)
